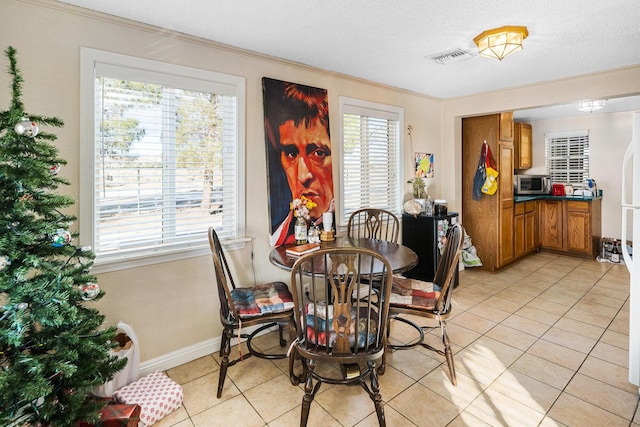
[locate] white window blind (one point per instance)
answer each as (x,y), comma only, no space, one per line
(165,161)
(370,153)
(567,156)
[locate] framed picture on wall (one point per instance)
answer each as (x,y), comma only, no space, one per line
(424,165)
(298,146)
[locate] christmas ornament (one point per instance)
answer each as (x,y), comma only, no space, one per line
(27,128)
(89,291)
(54,169)
(61,238)
(22,306)
(4,261)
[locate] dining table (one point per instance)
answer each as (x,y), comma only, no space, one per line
(401,258)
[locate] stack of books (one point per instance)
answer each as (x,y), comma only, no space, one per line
(302,249)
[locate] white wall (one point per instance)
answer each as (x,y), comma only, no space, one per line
(609,135)
(174,305)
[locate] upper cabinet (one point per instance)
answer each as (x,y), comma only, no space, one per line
(522,146)
(506,126)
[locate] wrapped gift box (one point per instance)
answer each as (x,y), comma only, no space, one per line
(157,395)
(118,415)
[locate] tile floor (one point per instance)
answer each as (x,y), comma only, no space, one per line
(542,343)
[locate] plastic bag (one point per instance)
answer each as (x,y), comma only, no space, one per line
(491,182)
(129,348)
(481,174)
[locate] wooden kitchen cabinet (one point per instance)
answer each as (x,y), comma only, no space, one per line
(522,146)
(571,226)
(551,224)
(489,221)
(525,225)
(506,127)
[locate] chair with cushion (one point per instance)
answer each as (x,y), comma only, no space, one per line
(335,329)
(430,299)
(374,224)
(263,305)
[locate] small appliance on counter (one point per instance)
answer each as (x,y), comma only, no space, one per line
(557,190)
(531,184)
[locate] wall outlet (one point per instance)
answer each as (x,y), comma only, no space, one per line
(306,288)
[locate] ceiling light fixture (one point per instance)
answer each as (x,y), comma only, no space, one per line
(591,105)
(501,42)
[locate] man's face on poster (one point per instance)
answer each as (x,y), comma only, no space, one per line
(306,160)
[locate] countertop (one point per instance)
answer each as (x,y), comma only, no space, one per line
(527,197)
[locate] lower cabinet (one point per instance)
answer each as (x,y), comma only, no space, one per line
(525,226)
(571,226)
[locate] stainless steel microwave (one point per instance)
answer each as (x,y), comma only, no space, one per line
(531,184)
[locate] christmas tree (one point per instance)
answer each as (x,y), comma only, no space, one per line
(53,347)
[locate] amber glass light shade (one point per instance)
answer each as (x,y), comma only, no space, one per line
(501,42)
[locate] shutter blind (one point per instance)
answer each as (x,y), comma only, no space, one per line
(567,157)
(371,158)
(165,166)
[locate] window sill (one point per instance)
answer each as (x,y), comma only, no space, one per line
(151,259)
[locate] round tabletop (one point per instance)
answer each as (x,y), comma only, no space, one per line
(400,257)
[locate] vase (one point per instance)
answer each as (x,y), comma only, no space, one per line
(300,231)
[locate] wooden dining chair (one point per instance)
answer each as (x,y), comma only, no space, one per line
(374,224)
(430,299)
(263,305)
(334,328)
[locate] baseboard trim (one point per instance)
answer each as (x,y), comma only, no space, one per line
(179,357)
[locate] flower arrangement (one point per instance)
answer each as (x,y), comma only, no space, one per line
(418,187)
(301,207)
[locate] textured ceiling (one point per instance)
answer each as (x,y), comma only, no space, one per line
(391,41)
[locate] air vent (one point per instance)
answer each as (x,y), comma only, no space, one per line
(455,55)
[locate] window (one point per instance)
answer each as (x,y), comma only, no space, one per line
(371,151)
(567,156)
(162,159)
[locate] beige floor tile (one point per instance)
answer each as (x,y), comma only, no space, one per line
(488,312)
(477,367)
(592,318)
(542,370)
(603,395)
(561,355)
(568,339)
(393,382)
(261,397)
(572,411)
(612,354)
(603,300)
(619,325)
(495,351)
(538,315)
(432,410)
(461,336)
(347,404)
(173,418)
(579,328)
(512,337)
(472,322)
(526,390)
(497,409)
(412,362)
(392,418)
(600,290)
(549,306)
(466,419)
(616,339)
(251,372)
(463,393)
(200,393)
(231,412)
(608,372)
(525,325)
(192,370)
(503,304)
(318,417)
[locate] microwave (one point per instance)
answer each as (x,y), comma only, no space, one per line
(531,184)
